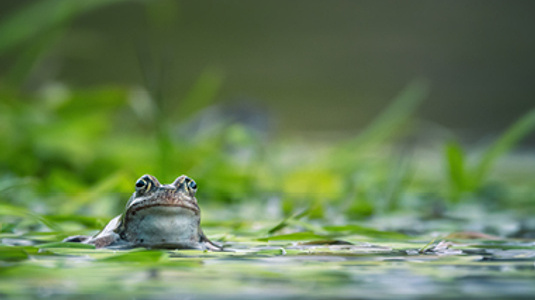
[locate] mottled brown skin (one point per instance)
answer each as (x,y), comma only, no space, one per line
(156,216)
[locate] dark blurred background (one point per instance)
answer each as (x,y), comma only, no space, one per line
(317,65)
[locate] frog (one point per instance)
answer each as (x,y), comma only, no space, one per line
(156,216)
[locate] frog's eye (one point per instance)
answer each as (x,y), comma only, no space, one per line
(140,183)
(192,185)
(145,183)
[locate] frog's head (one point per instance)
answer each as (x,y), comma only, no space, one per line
(160,215)
(150,193)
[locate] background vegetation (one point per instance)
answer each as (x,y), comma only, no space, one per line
(70,154)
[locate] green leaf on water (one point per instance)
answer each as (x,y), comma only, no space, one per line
(12,254)
(285,222)
(297,236)
(140,256)
(361,230)
(66,245)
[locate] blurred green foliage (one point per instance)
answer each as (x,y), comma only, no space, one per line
(77,153)
(69,158)
(71,155)
(42,16)
(464,179)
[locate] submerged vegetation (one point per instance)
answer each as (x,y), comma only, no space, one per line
(387,212)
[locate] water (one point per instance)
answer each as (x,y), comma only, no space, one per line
(281,270)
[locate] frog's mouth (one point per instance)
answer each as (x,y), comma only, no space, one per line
(134,209)
(170,207)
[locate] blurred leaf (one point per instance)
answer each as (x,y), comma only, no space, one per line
(162,15)
(9,182)
(65,245)
(284,223)
(396,114)
(90,222)
(427,246)
(360,207)
(298,236)
(307,226)
(464,179)
(30,56)
(326,242)
(456,168)
(139,256)
(9,210)
(313,182)
(361,230)
(201,95)
(105,185)
(100,101)
(40,16)
(240,135)
(470,235)
(12,254)
(398,179)
(216,173)
(507,140)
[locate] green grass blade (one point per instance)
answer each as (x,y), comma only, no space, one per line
(297,236)
(12,254)
(353,229)
(506,142)
(455,160)
(40,16)
(390,120)
(10,210)
(65,245)
(30,56)
(397,181)
(286,222)
(202,94)
(140,256)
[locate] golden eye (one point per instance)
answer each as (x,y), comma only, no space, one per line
(140,183)
(144,184)
(192,185)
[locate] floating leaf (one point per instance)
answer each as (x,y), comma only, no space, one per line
(66,245)
(298,236)
(361,230)
(284,223)
(141,256)
(12,254)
